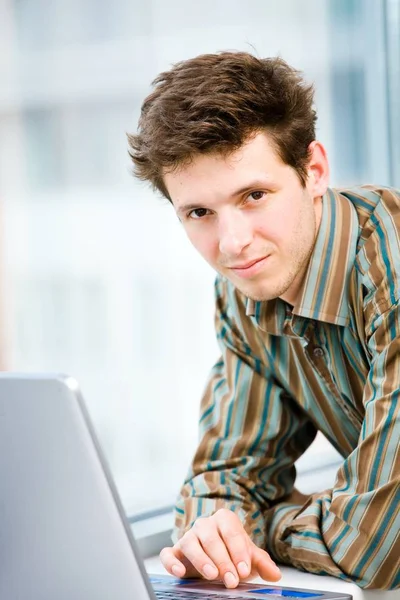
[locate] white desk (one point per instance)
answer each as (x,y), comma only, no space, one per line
(292,577)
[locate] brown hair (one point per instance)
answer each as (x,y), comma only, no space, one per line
(213,103)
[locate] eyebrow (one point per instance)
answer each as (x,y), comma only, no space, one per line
(257,183)
(187,208)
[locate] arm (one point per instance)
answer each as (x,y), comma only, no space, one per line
(251,433)
(352,531)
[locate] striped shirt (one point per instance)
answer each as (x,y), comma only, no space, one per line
(330,363)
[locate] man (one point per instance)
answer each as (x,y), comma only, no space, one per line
(307,318)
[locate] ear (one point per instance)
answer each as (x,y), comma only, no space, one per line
(317,170)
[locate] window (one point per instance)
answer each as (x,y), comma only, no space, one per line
(392,39)
(99,280)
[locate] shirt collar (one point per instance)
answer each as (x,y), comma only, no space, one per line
(324,295)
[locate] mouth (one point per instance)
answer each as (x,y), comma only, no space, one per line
(251,268)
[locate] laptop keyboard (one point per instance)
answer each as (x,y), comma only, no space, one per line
(182,595)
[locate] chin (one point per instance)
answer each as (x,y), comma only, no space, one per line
(263,293)
(258,295)
(261,297)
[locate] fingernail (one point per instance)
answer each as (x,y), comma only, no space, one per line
(230,580)
(210,572)
(276,569)
(243,569)
(177,570)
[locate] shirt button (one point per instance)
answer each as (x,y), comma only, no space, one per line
(318,352)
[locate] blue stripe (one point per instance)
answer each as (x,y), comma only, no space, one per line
(346,486)
(266,409)
(215,451)
(350,503)
(372,543)
(223,332)
(309,534)
(232,403)
(339,538)
(382,441)
(328,256)
(359,201)
(353,363)
(207,412)
(257,311)
(211,408)
(385,256)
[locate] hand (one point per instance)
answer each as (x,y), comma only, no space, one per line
(218,547)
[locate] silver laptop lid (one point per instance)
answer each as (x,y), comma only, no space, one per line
(63,533)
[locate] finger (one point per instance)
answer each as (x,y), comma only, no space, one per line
(236,541)
(171,562)
(264,565)
(177,564)
(214,546)
(191,548)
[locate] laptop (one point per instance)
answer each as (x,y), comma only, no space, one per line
(63,531)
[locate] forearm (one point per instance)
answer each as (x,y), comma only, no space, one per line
(352,537)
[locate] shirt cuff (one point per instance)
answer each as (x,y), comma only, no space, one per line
(279,518)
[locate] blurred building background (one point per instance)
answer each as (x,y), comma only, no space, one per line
(97,278)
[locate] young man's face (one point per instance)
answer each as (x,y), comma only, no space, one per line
(249,216)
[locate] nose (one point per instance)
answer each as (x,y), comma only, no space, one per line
(234,234)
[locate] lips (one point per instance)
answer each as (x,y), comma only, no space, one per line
(250,269)
(249,264)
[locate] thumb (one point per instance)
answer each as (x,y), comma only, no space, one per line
(264,565)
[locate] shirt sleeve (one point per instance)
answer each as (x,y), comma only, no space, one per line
(353,530)
(251,433)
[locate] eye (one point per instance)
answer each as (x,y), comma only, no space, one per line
(257,195)
(198,213)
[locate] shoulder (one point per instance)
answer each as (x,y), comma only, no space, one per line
(377,260)
(376,206)
(369,196)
